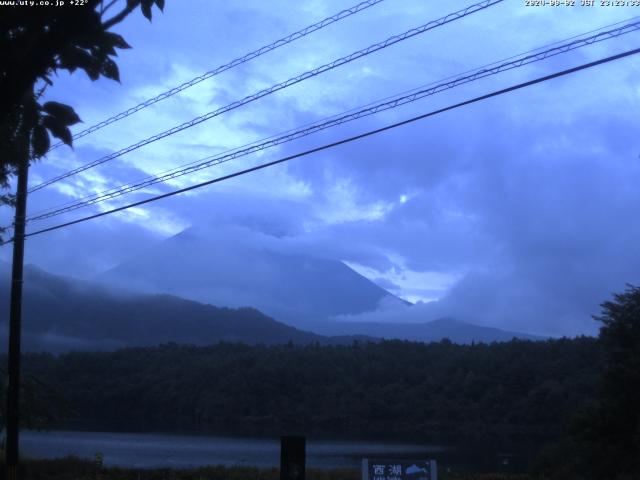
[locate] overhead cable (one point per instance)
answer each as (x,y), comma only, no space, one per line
(343,141)
(227,66)
(387,104)
(277,87)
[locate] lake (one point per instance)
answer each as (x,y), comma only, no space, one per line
(136,450)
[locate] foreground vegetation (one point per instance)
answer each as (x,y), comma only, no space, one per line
(389,390)
(77,469)
(580,397)
(483,399)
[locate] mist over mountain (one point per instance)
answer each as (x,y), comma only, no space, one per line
(61,314)
(435,330)
(231,267)
(228,268)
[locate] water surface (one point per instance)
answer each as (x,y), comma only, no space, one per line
(136,450)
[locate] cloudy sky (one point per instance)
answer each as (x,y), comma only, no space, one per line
(519,212)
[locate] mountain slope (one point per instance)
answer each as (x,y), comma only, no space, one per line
(434,331)
(61,314)
(226,268)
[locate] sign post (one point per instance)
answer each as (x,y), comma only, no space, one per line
(380,469)
(292,458)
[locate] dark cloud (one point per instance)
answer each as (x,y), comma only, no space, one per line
(530,199)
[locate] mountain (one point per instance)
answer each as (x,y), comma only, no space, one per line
(61,314)
(433,331)
(230,268)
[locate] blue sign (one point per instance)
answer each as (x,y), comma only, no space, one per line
(379,469)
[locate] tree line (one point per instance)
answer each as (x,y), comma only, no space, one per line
(575,400)
(392,389)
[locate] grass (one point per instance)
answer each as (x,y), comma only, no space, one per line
(73,468)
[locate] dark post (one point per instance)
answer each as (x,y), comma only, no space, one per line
(292,458)
(13,371)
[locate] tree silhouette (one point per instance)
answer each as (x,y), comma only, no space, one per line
(614,433)
(35,43)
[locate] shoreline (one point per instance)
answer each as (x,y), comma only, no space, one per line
(73,468)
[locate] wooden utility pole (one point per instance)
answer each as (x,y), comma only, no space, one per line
(15,320)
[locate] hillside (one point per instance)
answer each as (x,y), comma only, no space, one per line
(435,330)
(224,268)
(395,389)
(64,314)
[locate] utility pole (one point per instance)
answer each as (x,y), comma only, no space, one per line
(15,320)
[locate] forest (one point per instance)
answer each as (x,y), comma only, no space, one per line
(569,406)
(392,389)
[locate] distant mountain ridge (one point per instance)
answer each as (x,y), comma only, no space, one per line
(62,314)
(231,267)
(227,268)
(455,330)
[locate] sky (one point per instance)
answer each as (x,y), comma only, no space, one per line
(518,212)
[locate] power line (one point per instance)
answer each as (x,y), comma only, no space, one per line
(327,123)
(223,68)
(274,88)
(343,141)
(390,103)
(114,191)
